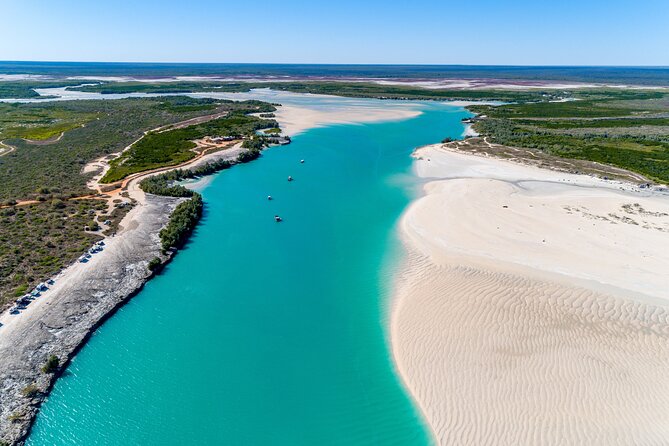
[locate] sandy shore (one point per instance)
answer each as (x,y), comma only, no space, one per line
(297,119)
(534,305)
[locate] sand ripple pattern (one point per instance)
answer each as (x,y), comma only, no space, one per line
(498,359)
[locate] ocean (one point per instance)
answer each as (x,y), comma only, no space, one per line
(599,74)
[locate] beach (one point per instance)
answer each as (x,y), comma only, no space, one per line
(533,305)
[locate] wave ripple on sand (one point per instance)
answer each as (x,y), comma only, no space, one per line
(506,338)
(499,359)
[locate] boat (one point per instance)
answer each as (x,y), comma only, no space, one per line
(301,161)
(277,218)
(269,197)
(290,178)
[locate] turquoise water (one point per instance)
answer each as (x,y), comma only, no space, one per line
(265,333)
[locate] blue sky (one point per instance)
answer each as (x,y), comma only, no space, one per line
(502,32)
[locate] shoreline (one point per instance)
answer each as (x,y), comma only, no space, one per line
(82,298)
(85,295)
(496,334)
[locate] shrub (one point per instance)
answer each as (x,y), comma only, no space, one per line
(30,391)
(154,263)
(182,222)
(51,365)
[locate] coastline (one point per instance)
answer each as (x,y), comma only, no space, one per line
(60,322)
(82,298)
(85,295)
(535,315)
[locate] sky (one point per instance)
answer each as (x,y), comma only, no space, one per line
(488,32)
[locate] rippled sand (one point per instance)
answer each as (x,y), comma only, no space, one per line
(552,331)
(499,359)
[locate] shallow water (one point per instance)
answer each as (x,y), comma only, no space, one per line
(261,332)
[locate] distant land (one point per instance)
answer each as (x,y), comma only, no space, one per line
(651,76)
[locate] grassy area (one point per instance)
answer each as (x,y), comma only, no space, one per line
(37,122)
(172,147)
(618,136)
(55,170)
(37,241)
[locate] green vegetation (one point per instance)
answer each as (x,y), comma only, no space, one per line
(181,104)
(110,126)
(174,146)
(349,89)
(38,122)
(631,129)
(52,364)
(162,87)
(30,391)
(182,222)
(38,240)
(596,123)
(163,184)
(154,263)
(186,215)
(26,89)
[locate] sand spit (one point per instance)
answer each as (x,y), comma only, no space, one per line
(296,119)
(534,306)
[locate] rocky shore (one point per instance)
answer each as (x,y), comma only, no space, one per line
(60,322)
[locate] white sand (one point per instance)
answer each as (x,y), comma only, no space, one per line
(295,119)
(543,322)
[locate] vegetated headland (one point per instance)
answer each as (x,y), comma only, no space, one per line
(47,230)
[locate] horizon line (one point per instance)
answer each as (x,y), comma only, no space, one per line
(335,64)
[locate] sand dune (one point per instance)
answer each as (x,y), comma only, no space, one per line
(527,313)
